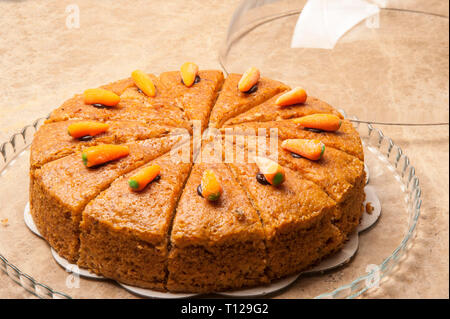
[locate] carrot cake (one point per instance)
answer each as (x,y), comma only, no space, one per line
(117,186)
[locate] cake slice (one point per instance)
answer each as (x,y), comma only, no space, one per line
(231,102)
(124,233)
(60,190)
(197,100)
(52,140)
(269,111)
(219,245)
(340,175)
(346,138)
(297,220)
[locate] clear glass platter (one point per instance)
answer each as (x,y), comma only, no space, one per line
(28,260)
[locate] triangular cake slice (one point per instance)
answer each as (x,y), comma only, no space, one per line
(346,138)
(52,140)
(125,234)
(231,102)
(269,111)
(339,174)
(215,245)
(197,100)
(297,220)
(60,190)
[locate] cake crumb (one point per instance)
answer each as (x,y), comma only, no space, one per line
(369,208)
(4,222)
(239,214)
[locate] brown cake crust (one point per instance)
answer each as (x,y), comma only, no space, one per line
(167,237)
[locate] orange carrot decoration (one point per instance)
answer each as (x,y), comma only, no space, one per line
(210,187)
(324,122)
(189,72)
(294,96)
(101,96)
(144,83)
(272,171)
(96,155)
(249,79)
(310,149)
(138,181)
(86,128)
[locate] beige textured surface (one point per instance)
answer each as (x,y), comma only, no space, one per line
(44,63)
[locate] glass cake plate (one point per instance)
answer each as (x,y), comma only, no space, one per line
(28,261)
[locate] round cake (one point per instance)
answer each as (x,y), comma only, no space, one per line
(128,181)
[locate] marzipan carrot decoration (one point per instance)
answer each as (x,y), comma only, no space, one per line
(142,178)
(294,96)
(324,122)
(189,72)
(144,83)
(210,187)
(86,128)
(272,171)
(101,96)
(100,154)
(310,149)
(249,79)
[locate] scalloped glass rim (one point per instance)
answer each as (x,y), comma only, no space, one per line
(388,152)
